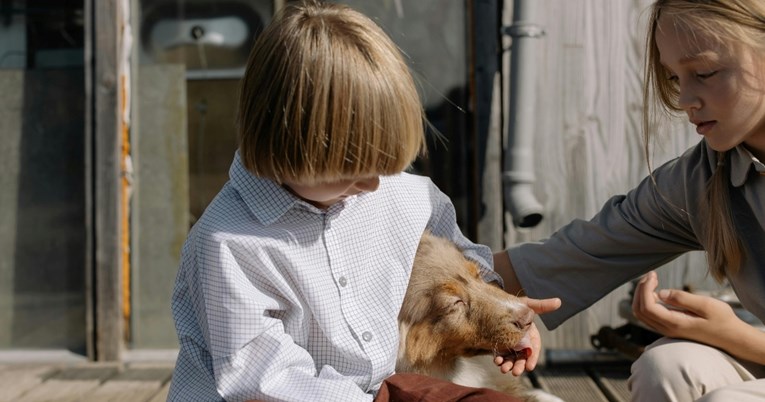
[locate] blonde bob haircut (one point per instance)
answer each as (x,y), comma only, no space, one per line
(327,96)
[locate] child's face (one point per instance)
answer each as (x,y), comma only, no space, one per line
(721,88)
(325,195)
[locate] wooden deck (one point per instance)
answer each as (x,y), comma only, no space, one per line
(572,375)
(84,382)
(584,376)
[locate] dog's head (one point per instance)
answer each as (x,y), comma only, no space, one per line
(450,312)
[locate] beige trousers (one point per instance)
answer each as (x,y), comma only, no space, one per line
(679,371)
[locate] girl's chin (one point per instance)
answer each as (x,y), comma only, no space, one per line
(720,146)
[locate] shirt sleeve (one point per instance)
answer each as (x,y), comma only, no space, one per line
(632,234)
(252,356)
(443,223)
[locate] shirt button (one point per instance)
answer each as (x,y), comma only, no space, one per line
(367,336)
(342,281)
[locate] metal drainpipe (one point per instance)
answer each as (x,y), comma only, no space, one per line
(518,175)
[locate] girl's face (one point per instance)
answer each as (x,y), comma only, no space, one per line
(325,195)
(721,88)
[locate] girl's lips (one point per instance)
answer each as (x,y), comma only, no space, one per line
(704,127)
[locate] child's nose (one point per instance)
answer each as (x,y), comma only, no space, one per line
(687,99)
(369,185)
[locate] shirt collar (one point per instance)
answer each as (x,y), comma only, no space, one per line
(741,162)
(266,200)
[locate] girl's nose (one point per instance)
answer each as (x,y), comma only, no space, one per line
(369,184)
(687,99)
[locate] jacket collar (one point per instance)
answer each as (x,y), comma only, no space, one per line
(741,162)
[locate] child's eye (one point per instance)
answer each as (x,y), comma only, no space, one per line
(704,76)
(672,78)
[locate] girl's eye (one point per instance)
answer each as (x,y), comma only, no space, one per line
(672,78)
(704,76)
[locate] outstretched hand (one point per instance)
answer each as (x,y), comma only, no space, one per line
(520,364)
(679,314)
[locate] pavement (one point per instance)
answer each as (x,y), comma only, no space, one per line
(41,376)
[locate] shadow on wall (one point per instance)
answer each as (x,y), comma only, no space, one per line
(450,162)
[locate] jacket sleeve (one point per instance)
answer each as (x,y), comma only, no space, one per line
(632,234)
(443,222)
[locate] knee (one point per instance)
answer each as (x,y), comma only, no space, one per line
(655,366)
(662,373)
(674,370)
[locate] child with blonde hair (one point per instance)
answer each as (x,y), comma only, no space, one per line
(291,282)
(706,59)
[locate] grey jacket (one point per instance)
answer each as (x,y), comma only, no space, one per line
(644,229)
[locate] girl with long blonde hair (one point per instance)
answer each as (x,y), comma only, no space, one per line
(705,60)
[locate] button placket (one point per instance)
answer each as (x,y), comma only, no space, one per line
(338,263)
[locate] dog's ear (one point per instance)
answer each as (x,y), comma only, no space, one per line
(416,305)
(421,345)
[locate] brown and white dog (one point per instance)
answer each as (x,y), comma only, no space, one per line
(452,323)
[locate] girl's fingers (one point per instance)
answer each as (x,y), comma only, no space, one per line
(645,306)
(666,311)
(643,293)
(541,306)
(695,304)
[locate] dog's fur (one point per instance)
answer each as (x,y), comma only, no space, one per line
(452,323)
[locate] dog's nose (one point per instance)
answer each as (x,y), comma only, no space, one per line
(525,318)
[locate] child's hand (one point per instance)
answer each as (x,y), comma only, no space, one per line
(678,314)
(528,361)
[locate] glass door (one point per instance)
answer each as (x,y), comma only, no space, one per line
(191,55)
(42,175)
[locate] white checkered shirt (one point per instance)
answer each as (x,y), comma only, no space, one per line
(276,299)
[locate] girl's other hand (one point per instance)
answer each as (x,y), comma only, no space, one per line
(679,314)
